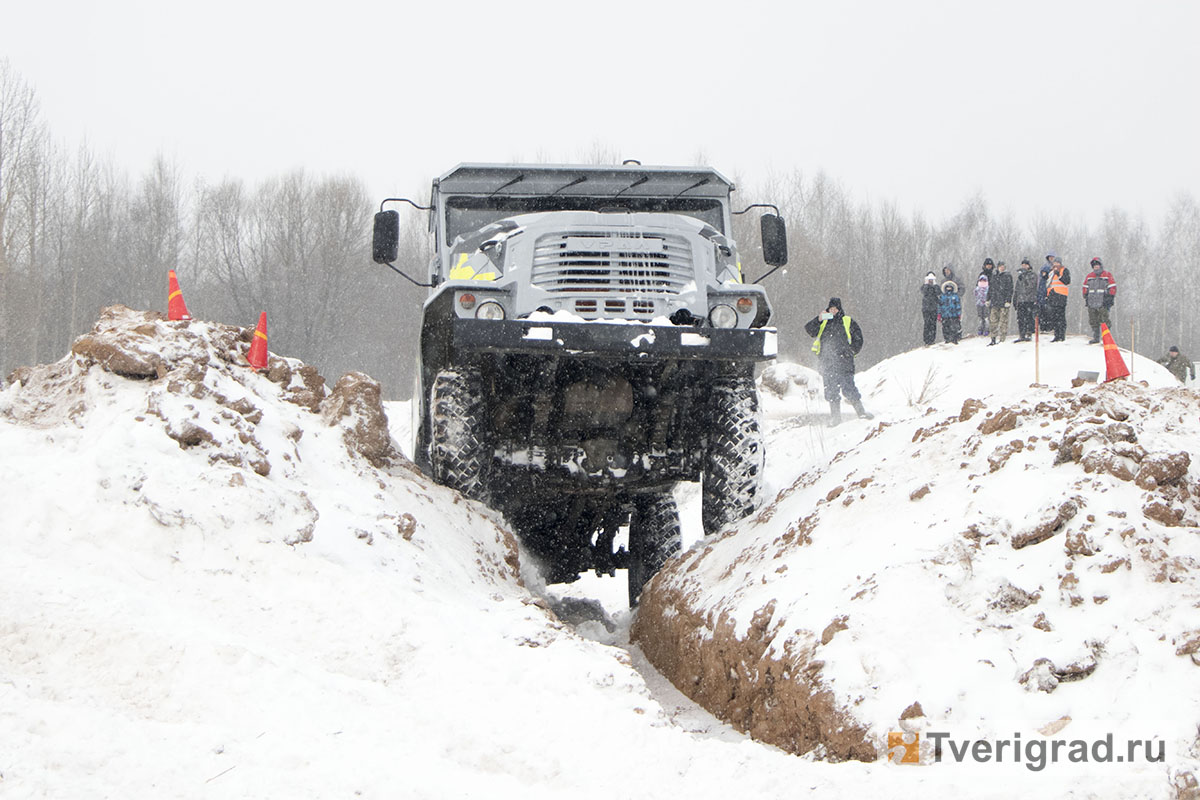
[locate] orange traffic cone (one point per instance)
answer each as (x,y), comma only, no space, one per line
(258,345)
(176,308)
(1113,363)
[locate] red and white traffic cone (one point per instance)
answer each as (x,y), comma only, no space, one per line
(258,345)
(1113,363)
(176,308)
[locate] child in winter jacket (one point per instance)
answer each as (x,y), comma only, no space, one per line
(981,306)
(950,312)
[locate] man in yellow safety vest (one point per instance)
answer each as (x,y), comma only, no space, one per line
(837,340)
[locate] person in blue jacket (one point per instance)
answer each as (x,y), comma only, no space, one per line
(950,313)
(837,339)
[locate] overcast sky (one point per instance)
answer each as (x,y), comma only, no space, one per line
(1059,107)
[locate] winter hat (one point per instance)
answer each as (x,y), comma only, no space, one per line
(1025,261)
(983,280)
(1172,349)
(930,277)
(1097,262)
(987,262)
(1000,264)
(836,301)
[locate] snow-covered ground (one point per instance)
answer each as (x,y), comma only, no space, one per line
(908,560)
(206,590)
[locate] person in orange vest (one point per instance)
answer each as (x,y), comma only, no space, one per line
(1056,299)
(837,340)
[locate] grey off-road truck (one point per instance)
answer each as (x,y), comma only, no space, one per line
(587,342)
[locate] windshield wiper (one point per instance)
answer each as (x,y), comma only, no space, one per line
(698,183)
(517,179)
(638,182)
(575,182)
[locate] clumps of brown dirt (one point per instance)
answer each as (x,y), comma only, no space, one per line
(1092,430)
(833,628)
(357,404)
(301,383)
(1044,676)
(970,408)
(1190,644)
(1000,456)
(1003,420)
(121,353)
(406,526)
(779,699)
(185,360)
(1009,598)
(1163,513)
(1162,469)
(1112,448)
(1047,527)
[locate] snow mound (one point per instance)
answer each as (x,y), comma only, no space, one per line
(203,567)
(991,557)
(221,582)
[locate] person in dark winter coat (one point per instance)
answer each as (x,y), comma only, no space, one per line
(929,308)
(950,312)
(1056,300)
(948,275)
(1099,294)
(837,339)
(999,300)
(1025,299)
(1178,365)
(1043,279)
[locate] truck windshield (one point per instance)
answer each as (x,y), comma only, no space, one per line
(466,214)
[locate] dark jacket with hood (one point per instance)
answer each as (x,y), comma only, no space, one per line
(1025,290)
(1000,288)
(948,275)
(930,292)
(1044,277)
(837,350)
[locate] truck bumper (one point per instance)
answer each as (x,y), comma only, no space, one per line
(614,340)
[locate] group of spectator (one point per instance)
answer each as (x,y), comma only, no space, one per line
(1040,298)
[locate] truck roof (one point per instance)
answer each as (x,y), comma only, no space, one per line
(524,180)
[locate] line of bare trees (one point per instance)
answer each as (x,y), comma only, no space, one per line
(76,234)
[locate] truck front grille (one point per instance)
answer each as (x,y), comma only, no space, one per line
(626,263)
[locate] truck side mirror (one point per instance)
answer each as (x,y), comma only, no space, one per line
(774,240)
(385,243)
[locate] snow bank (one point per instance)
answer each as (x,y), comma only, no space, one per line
(992,557)
(216,582)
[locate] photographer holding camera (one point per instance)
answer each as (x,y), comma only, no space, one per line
(837,340)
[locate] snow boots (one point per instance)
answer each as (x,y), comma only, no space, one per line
(835,412)
(862,412)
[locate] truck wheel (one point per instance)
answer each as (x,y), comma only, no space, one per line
(653,538)
(459,454)
(734,462)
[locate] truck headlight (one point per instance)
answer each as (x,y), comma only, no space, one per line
(723,316)
(490,309)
